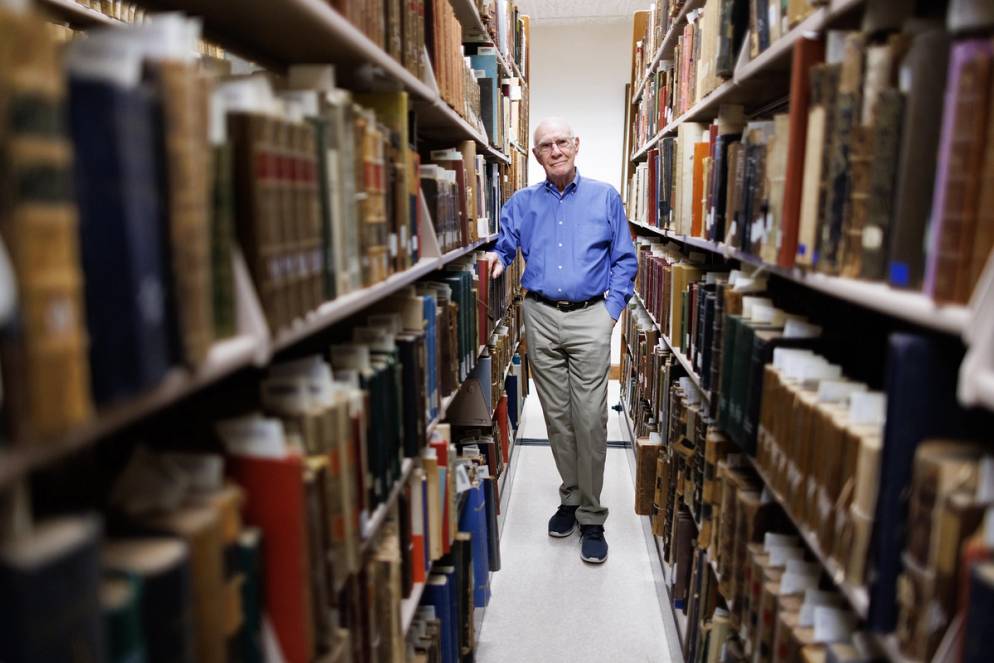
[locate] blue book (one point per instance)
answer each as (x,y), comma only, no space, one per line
(473,519)
(454,624)
(920,381)
(438,594)
(121,223)
(489,91)
(431,341)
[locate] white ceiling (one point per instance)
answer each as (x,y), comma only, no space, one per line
(549,12)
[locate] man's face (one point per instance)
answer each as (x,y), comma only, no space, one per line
(556,150)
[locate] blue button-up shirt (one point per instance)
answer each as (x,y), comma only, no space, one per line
(576,243)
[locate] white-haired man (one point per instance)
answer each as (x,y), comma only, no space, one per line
(579,274)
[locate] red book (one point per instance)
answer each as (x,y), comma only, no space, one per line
(807,53)
(441,447)
(416,490)
(275,502)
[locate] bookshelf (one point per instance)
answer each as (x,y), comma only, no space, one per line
(276,35)
(874,569)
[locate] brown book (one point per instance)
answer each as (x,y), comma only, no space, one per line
(184,96)
(646,453)
(983,240)
(848,102)
(45,364)
(960,160)
(887,125)
(258,209)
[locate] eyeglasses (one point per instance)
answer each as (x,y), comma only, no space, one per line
(563,144)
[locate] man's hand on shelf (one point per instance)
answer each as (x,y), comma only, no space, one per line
(496,266)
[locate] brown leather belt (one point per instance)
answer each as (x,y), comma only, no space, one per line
(565,306)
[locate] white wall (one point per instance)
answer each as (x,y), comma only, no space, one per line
(579,72)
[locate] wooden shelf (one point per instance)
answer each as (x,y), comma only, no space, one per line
(75,15)
(914,307)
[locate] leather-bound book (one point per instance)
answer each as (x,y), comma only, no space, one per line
(960,161)
(926,64)
(821,114)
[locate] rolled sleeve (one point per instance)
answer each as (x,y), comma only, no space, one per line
(506,247)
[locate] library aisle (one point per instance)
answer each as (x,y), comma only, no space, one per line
(557,607)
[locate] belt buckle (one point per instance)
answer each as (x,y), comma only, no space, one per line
(563,305)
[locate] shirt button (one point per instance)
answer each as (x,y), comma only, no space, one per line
(560,223)
(560,244)
(560,266)
(560,289)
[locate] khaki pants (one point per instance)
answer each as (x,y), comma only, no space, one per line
(570,354)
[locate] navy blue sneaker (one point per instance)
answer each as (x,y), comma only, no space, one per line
(563,522)
(593,547)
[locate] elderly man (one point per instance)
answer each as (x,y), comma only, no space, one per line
(579,274)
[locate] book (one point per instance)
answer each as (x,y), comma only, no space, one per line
(979,613)
(807,53)
(117,182)
(960,160)
(162,566)
(122,618)
(47,381)
(51,580)
(926,64)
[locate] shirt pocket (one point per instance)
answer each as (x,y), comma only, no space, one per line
(593,233)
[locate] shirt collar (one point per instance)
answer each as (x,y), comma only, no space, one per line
(569,187)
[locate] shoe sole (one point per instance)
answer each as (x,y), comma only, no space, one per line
(562,535)
(593,560)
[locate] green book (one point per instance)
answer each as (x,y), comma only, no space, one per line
(222,239)
(729,335)
(327,205)
(120,601)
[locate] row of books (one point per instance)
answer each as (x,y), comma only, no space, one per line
(317,188)
(817,187)
(705,55)
(401,29)
(125,12)
(509,29)
(503,101)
